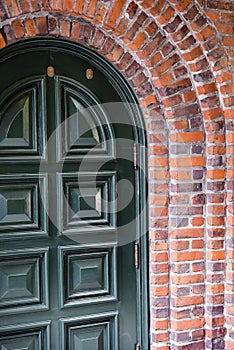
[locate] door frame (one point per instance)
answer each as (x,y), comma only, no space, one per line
(137,120)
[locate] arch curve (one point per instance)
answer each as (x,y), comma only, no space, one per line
(173,57)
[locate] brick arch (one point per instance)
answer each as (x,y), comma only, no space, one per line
(179,89)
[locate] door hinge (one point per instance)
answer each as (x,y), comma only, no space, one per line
(136,256)
(135,155)
(138,347)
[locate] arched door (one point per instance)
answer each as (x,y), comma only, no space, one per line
(69,203)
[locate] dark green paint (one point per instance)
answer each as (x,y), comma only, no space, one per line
(105,307)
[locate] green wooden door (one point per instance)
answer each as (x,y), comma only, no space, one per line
(67,210)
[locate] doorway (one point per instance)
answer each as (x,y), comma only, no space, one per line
(73,259)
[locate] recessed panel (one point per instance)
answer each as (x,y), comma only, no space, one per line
(22,204)
(87,275)
(87,200)
(85,128)
(97,332)
(25,337)
(23,280)
(22,126)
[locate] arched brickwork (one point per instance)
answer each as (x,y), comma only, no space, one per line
(178,59)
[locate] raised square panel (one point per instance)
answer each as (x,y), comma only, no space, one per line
(22,204)
(22,126)
(25,337)
(96,332)
(23,280)
(87,275)
(87,200)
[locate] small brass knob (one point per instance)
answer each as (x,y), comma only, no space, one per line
(50,71)
(89,74)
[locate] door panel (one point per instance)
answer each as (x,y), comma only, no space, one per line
(87,200)
(87,275)
(85,125)
(23,280)
(25,336)
(23,205)
(22,124)
(64,270)
(97,332)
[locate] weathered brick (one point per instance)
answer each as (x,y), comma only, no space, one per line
(18,28)
(188,109)
(115,12)
(12,7)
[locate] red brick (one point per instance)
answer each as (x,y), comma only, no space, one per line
(189,96)
(45,5)
(213,15)
(229,101)
(2,42)
(225,28)
(137,42)
(187,137)
(197,221)
(193,54)
(199,243)
(76,28)
(79,6)
(206,89)
(30,27)
(215,221)
(180,175)
(189,324)
(163,67)
(225,76)
(115,13)
(147,3)
(57,5)
(187,256)
(24,5)
(147,101)
(41,25)
(65,26)
(205,33)
(179,245)
(227,89)
(18,29)
(100,15)
(116,53)
(187,162)
(68,5)
(166,16)
(212,113)
(226,17)
(92,4)
(12,7)
(164,79)
(215,174)
(151,28)
(183,4)
(228,41)
(190,300)
(157,9)
(35,5)
(229,113)
(187,233)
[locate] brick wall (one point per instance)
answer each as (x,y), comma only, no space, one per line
(178,56)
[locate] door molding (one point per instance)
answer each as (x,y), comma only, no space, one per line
(137,120)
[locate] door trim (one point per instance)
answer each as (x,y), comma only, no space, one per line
(137,119)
